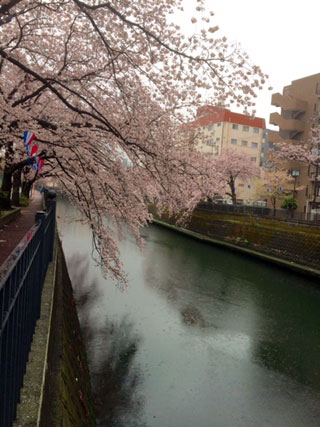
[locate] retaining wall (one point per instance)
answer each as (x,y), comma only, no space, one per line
(9,216)
(296,243)
(57,389)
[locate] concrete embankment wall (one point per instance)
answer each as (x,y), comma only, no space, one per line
(292,245)
(9,216)
(57,389)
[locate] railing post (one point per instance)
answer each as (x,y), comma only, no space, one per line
(42,265)
(51,208)
(40,216)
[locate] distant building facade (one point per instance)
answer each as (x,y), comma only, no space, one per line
(299,103)
(221,129)
(267,146)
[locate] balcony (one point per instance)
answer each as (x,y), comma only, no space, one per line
(313,177)
(275,138)
(311,199)
(288,103)
(290,125)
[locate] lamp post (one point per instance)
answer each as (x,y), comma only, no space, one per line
(295,174)
(314,202)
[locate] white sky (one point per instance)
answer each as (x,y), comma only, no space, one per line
(281,36)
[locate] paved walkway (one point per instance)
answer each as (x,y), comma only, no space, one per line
(13,233)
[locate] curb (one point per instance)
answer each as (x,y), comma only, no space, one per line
(31,394)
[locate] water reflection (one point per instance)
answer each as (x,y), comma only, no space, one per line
(111,348)
(244,296)
(116,377)
(202,337)
(191,316)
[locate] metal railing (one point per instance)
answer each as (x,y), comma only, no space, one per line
(21,282)
(282,214)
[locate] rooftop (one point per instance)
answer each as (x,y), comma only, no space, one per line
(210,114)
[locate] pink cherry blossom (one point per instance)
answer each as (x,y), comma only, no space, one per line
(106,86)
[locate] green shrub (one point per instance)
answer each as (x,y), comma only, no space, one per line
(23,201)
(288,202)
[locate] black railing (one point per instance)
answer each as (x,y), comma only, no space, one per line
(21,281)
(284,214)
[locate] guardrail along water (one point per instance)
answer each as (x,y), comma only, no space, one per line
(21,281)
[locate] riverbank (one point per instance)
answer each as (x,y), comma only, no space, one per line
(289,245)
(57,387)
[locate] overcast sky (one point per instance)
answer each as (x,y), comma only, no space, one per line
(281,36)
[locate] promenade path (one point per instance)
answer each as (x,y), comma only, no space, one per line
(13,233)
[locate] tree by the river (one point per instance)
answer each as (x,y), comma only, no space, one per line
(105,85)
(234,166)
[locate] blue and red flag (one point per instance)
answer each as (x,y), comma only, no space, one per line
(28,138)
(34,149)
(31,150)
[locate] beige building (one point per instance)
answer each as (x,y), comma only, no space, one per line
(299,103)
(222,129)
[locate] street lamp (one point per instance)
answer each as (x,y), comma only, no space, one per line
(295,174)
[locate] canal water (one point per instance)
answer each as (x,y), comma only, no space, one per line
(201,337)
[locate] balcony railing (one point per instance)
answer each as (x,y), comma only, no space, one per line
(288,103)
(291,125)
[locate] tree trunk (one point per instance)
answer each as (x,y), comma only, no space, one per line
(233,190)
(16,187)
(5,194)
(26,187)
(273,201)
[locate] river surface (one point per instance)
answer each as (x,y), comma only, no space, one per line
(202,337)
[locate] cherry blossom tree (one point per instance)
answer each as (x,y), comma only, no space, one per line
(233,166)
(104,83)
(274,184)
(302,153)
(305,152)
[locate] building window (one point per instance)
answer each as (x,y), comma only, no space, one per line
(234,142)
(219,124)
(253,159)
(255,130)
(307,191)
(244,143)
(210,142)
(245,128)
(234,126)
(254,144)
(218,139)
(210,127)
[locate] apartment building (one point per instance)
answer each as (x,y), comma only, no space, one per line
(266,147)
(300,104)
(222,129)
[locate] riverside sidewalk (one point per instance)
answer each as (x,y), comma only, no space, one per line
(14,232)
